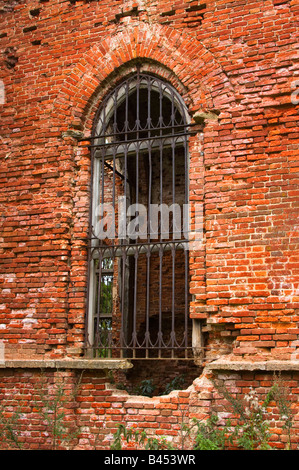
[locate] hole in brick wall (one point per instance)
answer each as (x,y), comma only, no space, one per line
(34,13)
(156,378)
(124,14)
(168,13)
(265,349)
(10,57)
(280,2)
(29,28)
(196,7)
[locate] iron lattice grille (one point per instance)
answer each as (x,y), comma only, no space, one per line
(139,276)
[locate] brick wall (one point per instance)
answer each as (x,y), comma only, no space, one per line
(234,64)
(93,408)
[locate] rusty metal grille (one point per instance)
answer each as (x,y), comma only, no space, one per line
(139,276)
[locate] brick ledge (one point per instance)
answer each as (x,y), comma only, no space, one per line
(249,365)
(66,364)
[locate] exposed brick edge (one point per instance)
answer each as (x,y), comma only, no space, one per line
(67,364)
(249,365)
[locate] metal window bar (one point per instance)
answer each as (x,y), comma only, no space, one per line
(141,127)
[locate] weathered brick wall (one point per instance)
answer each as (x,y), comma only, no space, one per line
(234,63)
(93,408)
(242,70)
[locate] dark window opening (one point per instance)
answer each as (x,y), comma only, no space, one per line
(139,259)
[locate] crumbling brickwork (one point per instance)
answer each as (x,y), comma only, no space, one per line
(235,65)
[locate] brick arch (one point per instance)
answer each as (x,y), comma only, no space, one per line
(177,56)
(174,56)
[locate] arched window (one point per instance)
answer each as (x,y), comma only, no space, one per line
(139,279)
